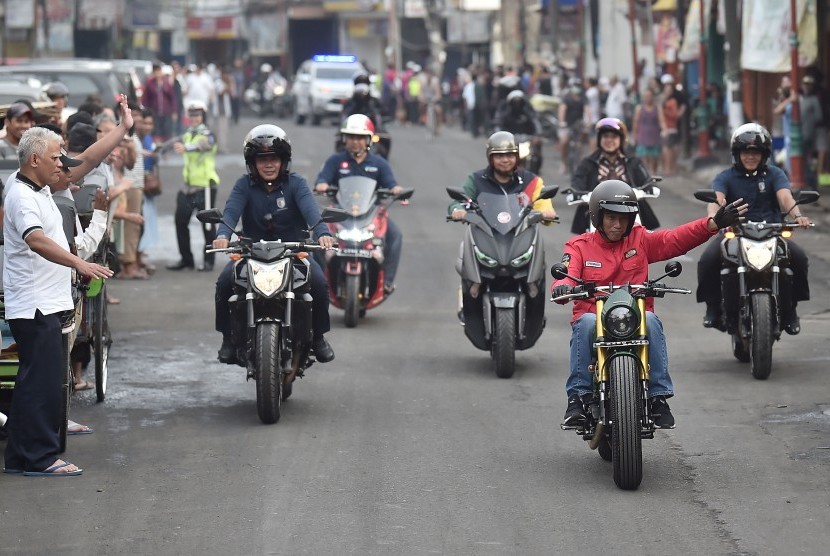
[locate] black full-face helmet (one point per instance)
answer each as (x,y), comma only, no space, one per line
(747,137)
(266,139)
(614,196)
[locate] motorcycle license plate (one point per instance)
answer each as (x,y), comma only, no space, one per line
(352,252)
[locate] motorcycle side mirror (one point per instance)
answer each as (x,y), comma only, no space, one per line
(673,269)
(705,195)
(804,197)
(209,216)
(548,192)
(457,194)
(333,214)
(559,271)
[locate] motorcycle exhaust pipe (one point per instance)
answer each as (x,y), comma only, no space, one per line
(596,438)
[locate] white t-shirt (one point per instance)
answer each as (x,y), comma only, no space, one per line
(31,282)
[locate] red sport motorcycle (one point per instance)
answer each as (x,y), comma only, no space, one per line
(355,270)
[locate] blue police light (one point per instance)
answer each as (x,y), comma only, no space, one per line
(335,58)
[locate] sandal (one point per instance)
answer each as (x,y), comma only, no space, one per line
(83,385)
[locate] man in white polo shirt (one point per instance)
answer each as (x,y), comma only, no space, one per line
(36,281)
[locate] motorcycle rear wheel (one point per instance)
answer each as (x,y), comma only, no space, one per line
(626,413)
(268,372)
(351,301)
(504,342)
(760,349)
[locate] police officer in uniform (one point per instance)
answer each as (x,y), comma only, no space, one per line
(198,145)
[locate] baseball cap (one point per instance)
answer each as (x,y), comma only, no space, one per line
(17,109)
(68,161)
(81,136)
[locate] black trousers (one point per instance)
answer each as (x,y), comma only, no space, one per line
(320,321)
(188,203)
(708,272)
(34,420)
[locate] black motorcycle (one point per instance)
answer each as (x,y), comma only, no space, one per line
(271,311)
(754,255)
(502,268)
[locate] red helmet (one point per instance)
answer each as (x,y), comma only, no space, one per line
(358,124)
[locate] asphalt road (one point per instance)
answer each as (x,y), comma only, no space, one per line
(407,443)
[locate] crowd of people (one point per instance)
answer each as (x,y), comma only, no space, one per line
(117,147)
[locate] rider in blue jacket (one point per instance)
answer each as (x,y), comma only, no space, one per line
(357,160)
(274,203)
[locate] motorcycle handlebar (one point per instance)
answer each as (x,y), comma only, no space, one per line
(653,289)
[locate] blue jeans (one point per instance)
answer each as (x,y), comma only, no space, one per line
(580,380)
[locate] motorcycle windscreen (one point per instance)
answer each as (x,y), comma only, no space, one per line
(501,211)
(356,194)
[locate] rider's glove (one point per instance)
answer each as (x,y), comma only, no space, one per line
(562,289)
(727,216)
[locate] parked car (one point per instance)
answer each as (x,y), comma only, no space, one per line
(13,89)
(322,85)
(82,77)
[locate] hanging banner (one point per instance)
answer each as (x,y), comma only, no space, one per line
(765,44)
(22,16)
(266,33)
(690,49)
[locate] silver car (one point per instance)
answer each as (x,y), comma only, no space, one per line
(322,85)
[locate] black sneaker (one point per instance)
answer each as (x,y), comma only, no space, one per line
(791,323)
(575,414)
(181,265)
(713,317)
(227,353)
(322,350)
(661,414)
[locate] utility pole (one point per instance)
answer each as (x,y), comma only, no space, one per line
(795,148)
(704,152)
(632,15)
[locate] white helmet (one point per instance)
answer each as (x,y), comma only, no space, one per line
(196,105)
(266,68)
(358,124)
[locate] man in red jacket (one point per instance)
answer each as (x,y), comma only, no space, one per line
(619,252)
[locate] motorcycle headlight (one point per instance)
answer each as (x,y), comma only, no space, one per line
(621,322)
(279,90)
(485,259)
(354,234)
(268,278)
(523,259)
(759,254)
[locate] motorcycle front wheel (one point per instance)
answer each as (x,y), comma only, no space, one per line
(504,342)
(351,301)
(268,372)
(626,413)
(101,342)
(760,349)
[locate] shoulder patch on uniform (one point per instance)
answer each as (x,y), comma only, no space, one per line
(593,264)
(566,259)
(630,253)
